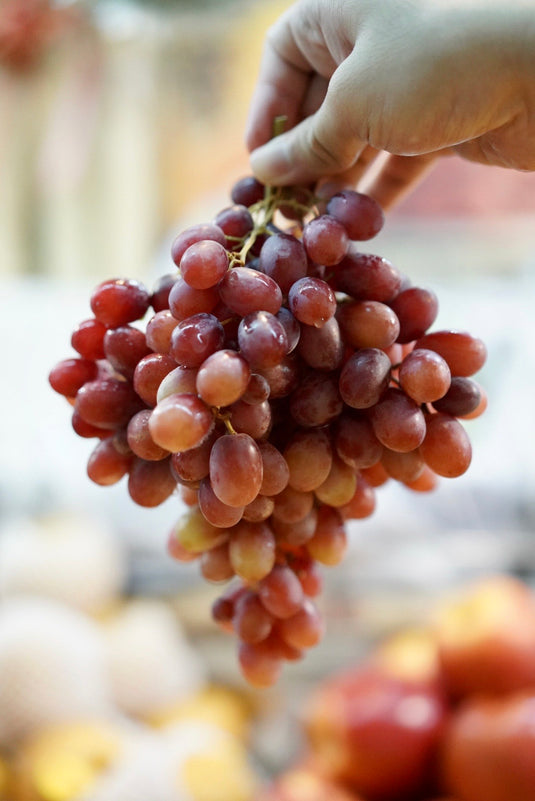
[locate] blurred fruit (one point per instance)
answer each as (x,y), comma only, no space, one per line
(62,762)
(303,783)
(488,752)
(375,732)
(217,766)
(150,662)
(221,706)
(52,667)
(410,655)
(486,638)
(65,556)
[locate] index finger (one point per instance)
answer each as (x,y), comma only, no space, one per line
(281,86)
(280,91)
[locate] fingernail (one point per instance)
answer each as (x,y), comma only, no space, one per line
(270,163)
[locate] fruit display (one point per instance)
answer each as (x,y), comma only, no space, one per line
(281,375)
(395,727)
(102,695)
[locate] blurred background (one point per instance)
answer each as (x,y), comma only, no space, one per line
(122,122)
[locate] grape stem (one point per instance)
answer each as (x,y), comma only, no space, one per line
(264,210)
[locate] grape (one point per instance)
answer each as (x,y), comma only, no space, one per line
(312,301)
(244,290)
(119,301)
(283,378)
(308,455)
(87,430)
(251,620)
(363,502)
(159,330)
(254,420)
(177,551)
(329,543)
(217,513)
(195,233)
(107,465)
(280,380)
(150,483)
(196,338)
(355,441)
(398,422)
(464,353)
(124,347)
(236,469)
(291,326)
(375,475)
(316,400)
(280,592)
(426,481)
(184,300)
(262,340)
(291,505)
(223,378)
(203,264)
(181,379)
(480,408)
(235,222)
(69,375)
(365,276)
(252,550)
(304,629)
(339,486)
(259,665)
(322,348)
(275,471)
(180,422)
(195,534)
(424,375)
(416,310)
(107,403)
(462,398)
(247,191)
(159,299)
(140,440)
(446,448)
(361,215)
(297,533)
(149,373)
(368,324)
(88,339)
(257,389)
(364,378)
(258,510)
(404,467)
(325,240)
(307,571)
(215,564)
(284,259)
(194,464)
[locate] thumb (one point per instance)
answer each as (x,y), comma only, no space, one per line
(322,144)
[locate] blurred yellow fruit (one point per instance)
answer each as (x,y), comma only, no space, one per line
(221,706)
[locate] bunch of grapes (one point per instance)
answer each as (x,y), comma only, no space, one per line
(282,375)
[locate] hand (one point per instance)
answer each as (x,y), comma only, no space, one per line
(375,91)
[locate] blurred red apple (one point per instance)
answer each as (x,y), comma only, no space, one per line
(488,753)
(375,732)
(302,783)
(486,638)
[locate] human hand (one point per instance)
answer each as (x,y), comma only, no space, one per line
(374,92)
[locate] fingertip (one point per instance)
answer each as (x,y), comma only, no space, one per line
(270,163)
